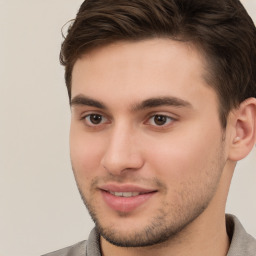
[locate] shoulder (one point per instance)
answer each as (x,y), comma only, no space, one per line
(241,242)
(90,247)
(78,249)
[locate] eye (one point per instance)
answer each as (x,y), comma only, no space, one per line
(160,120)
(94,119)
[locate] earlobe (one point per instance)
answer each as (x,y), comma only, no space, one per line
(244,137)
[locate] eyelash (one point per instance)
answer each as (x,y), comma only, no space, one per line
(167,122)
(89,122)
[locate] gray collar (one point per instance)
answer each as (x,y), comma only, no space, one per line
(241,242)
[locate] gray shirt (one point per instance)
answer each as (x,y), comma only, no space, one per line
(242,244)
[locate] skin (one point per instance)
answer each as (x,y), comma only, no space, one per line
(187,158)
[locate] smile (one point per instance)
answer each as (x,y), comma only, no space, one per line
(124,194)
(125,198)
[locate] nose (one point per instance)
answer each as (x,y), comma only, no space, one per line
(122,152)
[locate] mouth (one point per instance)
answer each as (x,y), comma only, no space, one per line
(125,194)
(126,198)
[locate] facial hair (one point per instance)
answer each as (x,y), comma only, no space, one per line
(156,232)
(161,227)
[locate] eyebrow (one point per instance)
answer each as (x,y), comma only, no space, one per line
(81,100)
(161,101)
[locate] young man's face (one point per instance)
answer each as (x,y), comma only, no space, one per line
(146,142)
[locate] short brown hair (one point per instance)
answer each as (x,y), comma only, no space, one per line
(221,29)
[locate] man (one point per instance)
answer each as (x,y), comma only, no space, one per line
(163,99)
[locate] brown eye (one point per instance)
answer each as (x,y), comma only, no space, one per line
(95,119)
(160,120)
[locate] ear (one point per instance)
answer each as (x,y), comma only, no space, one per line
(243,137)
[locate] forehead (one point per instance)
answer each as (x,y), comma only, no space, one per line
(139,70)
(153,52)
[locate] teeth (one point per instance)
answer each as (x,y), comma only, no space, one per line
(125,194)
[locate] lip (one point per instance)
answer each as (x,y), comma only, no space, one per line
(125,204)
(126,188)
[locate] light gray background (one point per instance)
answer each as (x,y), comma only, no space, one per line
(40,208)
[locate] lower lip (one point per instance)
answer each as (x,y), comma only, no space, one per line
(125,204)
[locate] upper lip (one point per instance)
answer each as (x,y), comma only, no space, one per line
(126,188)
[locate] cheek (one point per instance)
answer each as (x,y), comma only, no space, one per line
(190,171)
(85,154)
(184,156)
